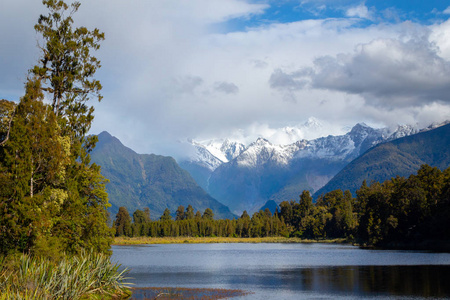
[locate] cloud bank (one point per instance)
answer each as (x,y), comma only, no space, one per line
(202,69)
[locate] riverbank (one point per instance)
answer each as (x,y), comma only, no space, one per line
(121,241)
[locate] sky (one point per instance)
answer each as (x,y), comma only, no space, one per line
(174,70)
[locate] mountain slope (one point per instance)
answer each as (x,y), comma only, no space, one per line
(148,180)
(401,157)
(265,171)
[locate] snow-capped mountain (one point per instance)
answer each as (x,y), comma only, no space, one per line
(206,156)
(262,152)
(245,177)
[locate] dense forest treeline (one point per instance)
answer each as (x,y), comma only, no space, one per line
(409,212)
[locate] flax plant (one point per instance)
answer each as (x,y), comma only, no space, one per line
(86,276)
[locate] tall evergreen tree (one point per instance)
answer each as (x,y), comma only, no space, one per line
(52,197)
(122,223)
(180,214)
(189,212)
(208,214)
(166,215)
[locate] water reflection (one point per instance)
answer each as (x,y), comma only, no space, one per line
(422,281)
(290,271)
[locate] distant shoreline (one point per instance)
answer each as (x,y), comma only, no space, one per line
(123,241)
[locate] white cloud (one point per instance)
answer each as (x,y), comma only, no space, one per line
(171,70)
(440,36)
(360,11)
(447,11)
(258,62)
(387,72)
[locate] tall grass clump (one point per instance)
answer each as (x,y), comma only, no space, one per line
(86,276)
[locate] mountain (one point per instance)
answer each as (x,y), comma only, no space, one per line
(271,205)
(208,157)
(401,157)
(147,180)
(265,171)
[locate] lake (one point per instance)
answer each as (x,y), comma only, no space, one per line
(290,271)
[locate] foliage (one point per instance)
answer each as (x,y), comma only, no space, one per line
(398,212)
(262,224)
(122,225)
(75,277)
(407,212)
(400,157)
(6,115)
(67,65)
(52,198)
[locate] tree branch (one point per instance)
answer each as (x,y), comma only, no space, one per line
(2,143)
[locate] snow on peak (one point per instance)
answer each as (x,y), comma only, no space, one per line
(312,124)
(216,152)
(231,150)
(358,139)
(262,151)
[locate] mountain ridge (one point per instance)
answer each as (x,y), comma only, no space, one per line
(399,157)
(148,180)
(264,171)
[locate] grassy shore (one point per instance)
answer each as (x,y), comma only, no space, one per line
(207,240)
(86,276)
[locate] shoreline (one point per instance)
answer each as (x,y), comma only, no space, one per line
(185,293)
(124,241)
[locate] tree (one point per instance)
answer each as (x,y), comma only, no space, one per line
(7,109)
(51,194)
(180,214)
(286,212)
(147,214)
(123,222)
(305,203)
(139,217)
(34,160)
(243,225)
(166,215)
(141,222)
(67,66)
(189,212)
(208,214)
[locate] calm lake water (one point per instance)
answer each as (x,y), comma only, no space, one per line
(290,271)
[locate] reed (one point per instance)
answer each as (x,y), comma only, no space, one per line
(207,240)
(86,276)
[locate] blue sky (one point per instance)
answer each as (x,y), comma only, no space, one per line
(285,11)
(242,69)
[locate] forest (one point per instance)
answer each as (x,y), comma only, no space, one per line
(401,212)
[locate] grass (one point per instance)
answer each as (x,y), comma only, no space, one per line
(207,240)
(87,276)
